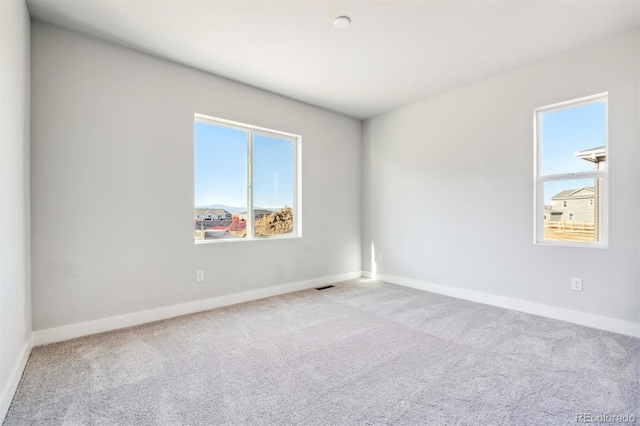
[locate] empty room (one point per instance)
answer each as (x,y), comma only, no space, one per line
(311,212)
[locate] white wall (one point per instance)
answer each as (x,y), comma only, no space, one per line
(112,177)
(15,299)
(448,186)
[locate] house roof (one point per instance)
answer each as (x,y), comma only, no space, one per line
(595,155)
(563,194)
(549,209)
(574,193)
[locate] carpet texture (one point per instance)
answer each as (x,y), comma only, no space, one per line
(363,352)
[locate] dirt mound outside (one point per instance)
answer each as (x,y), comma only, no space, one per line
(275,223)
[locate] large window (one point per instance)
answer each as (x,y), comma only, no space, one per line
(247,182)
(571,172)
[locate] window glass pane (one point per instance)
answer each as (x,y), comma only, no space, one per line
(273,185)
(220,181)
(572,210)
(573,139)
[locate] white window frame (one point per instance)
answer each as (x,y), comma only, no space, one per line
(251,130)
(540,179)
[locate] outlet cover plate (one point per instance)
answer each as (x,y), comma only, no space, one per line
(576,284)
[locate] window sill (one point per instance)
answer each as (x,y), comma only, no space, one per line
(571,244)
(236,240)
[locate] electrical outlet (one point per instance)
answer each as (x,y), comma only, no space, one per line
(380,257)
(576,284)
(199,276)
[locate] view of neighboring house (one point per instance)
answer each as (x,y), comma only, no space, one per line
(580,207)
(258,214)
(572,205)
(579,204)
(212,214)
(551,214)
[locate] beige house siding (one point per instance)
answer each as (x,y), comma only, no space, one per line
(580,206)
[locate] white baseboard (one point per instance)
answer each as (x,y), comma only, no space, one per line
(590,320)
(58,334)
(14,380)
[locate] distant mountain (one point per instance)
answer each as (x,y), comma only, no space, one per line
(232,210)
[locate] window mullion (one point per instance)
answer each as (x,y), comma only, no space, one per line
(250,215)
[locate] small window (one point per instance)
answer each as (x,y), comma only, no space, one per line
(246,178)
(571,169)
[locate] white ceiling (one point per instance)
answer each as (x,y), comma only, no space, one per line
(394,53)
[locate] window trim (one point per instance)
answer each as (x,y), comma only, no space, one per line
(252,130)
(539,179)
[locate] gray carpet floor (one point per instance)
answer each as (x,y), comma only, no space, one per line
(363,352)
